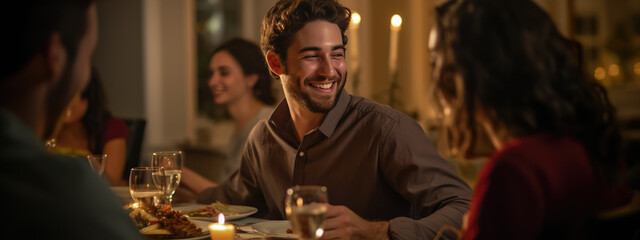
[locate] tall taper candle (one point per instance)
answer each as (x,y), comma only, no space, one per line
(396,22)
(355,55)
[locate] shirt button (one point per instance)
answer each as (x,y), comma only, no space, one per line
(301,154)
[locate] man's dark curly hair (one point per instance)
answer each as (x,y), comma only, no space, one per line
(287,17)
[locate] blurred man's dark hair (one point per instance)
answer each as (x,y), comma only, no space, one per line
(27,25)
(27,28)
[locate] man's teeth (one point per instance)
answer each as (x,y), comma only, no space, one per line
(323,86)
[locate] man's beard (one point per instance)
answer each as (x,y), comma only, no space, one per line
(325,104)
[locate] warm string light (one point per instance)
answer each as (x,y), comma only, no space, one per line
(614,70)
(599,73)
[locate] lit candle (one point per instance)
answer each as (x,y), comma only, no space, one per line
(396,22)
(221,231)
(355,23)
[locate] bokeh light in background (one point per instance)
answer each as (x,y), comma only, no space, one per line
(599,73)
(614,70)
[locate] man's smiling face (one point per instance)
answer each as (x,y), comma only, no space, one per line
(315,70)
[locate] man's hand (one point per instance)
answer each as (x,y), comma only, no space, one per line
(342,223)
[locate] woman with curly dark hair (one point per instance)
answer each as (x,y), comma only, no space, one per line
(90,128)
(503,67)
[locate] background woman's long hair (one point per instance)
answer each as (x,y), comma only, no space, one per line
(508,58)
(96,118)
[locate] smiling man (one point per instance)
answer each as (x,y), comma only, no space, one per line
(384,178)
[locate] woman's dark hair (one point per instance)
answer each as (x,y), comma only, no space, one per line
(251,60)
(287,17)
(508,58)
(97,116)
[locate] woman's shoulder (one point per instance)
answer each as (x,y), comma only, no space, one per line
(545,144)
(551,154)
(116,128)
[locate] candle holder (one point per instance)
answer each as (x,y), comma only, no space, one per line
(222,231)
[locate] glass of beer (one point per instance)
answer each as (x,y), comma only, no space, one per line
(306,207)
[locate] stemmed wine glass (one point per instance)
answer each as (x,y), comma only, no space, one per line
(306,207)
(168,177)
(98,162)
(142,186)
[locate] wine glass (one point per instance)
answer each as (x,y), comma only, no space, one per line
(306,207)
(142,186)
(168,177)
(98,162)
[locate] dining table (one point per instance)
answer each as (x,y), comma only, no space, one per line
(246,228)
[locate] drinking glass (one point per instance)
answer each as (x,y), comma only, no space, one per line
(306,207)
(168,177)
(98,162)
(142,186)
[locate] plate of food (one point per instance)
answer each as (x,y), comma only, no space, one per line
(165,223)
(209,212)
(281,229)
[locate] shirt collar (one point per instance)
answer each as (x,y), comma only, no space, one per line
(334,115)
(281,117)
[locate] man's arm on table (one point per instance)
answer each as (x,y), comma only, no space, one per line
(413,166)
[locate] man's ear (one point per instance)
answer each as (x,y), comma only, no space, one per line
(273,60)
(55,56)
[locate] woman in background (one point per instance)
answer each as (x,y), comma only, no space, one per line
(240,81)
(89,128)
(503,67)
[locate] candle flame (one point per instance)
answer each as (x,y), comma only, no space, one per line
(396,20)
(221,218)
(355,19)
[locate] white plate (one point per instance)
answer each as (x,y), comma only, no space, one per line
(243,211)
(204,225)
(274,229)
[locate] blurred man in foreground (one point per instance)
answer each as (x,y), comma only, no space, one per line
(46,51)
